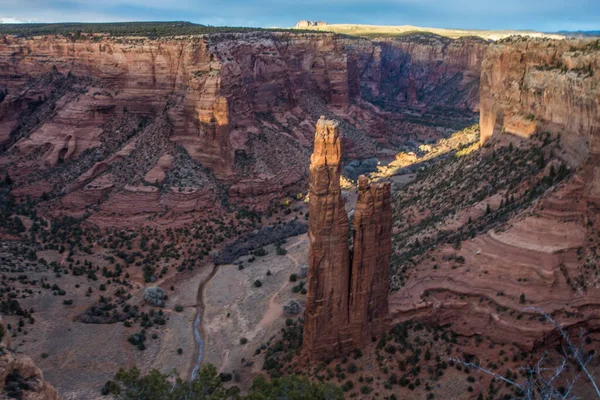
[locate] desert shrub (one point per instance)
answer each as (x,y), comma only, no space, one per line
(261,252)
(129,384)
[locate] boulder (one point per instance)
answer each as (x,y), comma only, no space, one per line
(155,296)
(292,308)
(303,271)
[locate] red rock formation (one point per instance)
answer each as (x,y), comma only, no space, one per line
(13,362)
(437,71)
(242,105)
(369,284)
(326,317)
(346,302)
(531,85)
(534,85)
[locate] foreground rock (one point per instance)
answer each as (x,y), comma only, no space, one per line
(20,378)
(346,303)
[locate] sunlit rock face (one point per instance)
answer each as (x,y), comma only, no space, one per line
(347,299)
(118,113)
(530,86)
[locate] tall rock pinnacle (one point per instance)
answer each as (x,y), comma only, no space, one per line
(326,317)
(346,302)
(371,260)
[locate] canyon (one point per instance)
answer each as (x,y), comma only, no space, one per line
(541,97)
(224,99)
(185,163)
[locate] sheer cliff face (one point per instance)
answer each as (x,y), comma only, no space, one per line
(427,72)
(141,77)
(243,106)
(347,301)
(530,86)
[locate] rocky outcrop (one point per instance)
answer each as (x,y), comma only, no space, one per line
(20,378)
(369,284)
(307,24)
(346,303)
(155,296)
(537,85)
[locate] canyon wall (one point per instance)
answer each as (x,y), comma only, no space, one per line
(92,121)
(210,87)
(422,71)
(347,299)
(536,85)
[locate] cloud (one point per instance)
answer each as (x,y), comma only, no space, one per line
(9,20)
(504,14)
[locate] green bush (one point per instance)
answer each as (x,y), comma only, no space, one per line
(129,384)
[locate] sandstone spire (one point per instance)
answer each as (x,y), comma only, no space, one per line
(326,316)
(371,260)
(346,302)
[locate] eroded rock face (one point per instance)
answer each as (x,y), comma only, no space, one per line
(347,300)
(19,376)
(326,317)
(119,112)
(426,72)
(530,86)
(369,285)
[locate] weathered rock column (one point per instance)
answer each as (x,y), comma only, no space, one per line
(326,316)
(347,301)
(370,273)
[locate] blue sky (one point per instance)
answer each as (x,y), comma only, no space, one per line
(542,15)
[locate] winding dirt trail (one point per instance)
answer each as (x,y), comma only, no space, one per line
(198,329)
(271,314)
